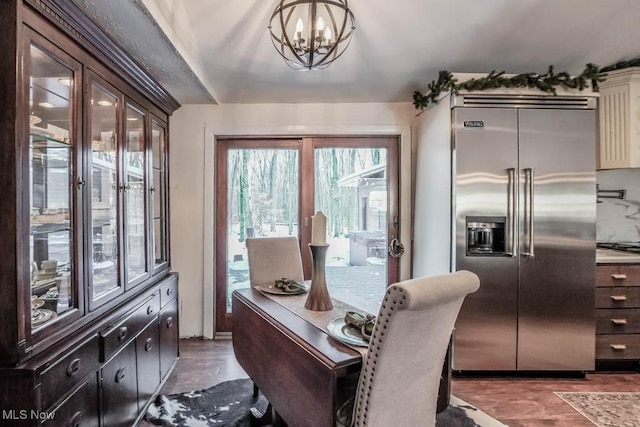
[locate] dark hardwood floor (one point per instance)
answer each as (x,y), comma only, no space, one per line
(516,401)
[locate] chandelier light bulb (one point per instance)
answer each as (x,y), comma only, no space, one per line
(327,35)
(320,26)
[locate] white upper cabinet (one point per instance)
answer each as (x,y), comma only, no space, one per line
(619,107)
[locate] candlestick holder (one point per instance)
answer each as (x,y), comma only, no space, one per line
(318,298)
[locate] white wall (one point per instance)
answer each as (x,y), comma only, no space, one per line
(619,220)
(192,131)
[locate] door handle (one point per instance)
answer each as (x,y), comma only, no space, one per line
(528,211)
(395,248)
(511,224)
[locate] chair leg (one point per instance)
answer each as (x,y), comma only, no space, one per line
(255,390)
(261,419)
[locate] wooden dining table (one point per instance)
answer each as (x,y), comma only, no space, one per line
(293,360)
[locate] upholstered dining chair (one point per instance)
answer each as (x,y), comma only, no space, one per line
(399,381)
(272,258)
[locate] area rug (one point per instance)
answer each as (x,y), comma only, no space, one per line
(606,409)
(227,405)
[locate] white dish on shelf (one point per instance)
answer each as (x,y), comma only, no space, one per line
(102,265)
(47,274)
(43,282)
(41,315)
(40,132)
(49,219)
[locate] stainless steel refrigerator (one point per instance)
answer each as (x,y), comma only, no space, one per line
(523,211)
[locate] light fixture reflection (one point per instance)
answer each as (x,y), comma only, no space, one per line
(65,81)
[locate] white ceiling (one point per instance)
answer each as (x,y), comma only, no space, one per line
(219,51)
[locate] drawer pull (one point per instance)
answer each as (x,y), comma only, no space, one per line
(618,298)
(121,373)
(73,367)
(169,321)
(618,276)
(122,333)
(74,421)
(148,344)
(619,321)
(618,347)
(169,292)
(150,309)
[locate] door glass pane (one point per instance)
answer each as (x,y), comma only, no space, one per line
(158,142)
(104,193)
(351,190)
(134,196)
(262,201)
(50,178)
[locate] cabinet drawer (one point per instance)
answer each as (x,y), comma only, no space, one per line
(618,275)
(620,346)
(78,410)
(618,297)
(168,291)
(69,371)
(618,321)
(114,337)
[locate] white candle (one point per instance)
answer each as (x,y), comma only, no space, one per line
(319,229)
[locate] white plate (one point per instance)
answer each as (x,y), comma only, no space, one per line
(42,282)
(43,315)
(271,289)
(347,334)
(47,274)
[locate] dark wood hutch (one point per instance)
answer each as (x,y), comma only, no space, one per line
(88,305)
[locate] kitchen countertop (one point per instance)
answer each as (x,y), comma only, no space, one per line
(610,256)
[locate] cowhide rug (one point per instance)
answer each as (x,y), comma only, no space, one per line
(227,405)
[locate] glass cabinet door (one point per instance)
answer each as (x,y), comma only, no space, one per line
(51,189)
(158,191)
(135,190)
(104,192)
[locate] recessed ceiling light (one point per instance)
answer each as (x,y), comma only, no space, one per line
(105,103)
(46,105)
(132,119)
(65,81)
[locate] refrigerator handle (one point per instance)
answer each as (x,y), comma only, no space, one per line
(511,225)
(528,211)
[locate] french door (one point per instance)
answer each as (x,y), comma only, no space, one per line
(271,187)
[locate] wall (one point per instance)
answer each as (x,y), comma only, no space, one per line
(192,131)
(619,220)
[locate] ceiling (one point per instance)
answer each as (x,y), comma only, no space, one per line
(219,51)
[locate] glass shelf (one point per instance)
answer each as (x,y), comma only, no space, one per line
(40,140)
(40,228)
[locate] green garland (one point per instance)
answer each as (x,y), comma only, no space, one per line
(545,82)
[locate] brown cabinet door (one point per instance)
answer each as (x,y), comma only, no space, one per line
(168,337)
(80,409)
(120,389)
(148,357)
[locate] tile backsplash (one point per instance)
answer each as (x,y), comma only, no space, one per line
(619,220)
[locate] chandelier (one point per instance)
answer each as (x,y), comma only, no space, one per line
(311,34)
